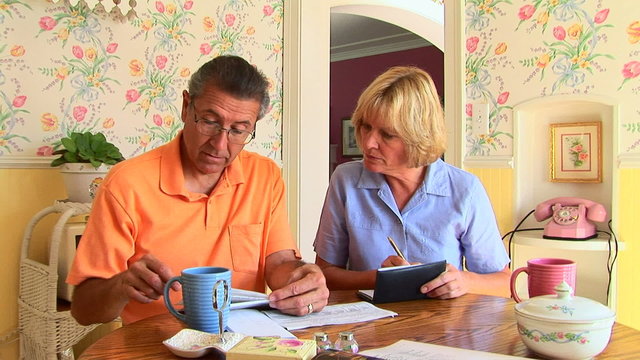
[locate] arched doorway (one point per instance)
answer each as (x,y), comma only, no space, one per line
(306,93)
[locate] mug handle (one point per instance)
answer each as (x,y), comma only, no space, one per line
(514,275)
(167,300)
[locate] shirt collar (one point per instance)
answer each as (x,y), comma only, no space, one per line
(436,181)
(172,177)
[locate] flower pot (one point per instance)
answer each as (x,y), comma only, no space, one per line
(82,180)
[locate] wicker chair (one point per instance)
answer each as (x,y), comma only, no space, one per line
(45,332)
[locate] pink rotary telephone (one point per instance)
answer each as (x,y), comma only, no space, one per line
(571,218)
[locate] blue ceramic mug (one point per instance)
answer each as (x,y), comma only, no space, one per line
(205,296)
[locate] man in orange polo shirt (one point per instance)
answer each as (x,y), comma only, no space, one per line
(198,200)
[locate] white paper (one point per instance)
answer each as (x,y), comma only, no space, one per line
(242,299)
(413,350)
(332,314)
(253,322)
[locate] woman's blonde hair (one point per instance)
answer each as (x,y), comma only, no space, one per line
(406,98)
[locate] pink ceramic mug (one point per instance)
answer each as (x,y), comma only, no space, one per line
(544,275)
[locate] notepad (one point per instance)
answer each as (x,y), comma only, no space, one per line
(401,283)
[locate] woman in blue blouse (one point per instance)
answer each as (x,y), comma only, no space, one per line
(403,190)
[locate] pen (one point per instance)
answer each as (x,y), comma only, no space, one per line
(395,247)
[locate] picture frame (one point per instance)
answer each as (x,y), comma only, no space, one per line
(576,152)
(349,145)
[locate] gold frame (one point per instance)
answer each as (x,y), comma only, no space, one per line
(576,152)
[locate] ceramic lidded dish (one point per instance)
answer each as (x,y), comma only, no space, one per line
(562,326)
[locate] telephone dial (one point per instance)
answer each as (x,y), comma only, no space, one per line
(571,218)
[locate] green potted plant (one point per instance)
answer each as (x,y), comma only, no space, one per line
(85,158)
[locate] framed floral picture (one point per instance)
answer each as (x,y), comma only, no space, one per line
(349,145)
(576,152)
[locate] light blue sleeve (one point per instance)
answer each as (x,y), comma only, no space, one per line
(332,239)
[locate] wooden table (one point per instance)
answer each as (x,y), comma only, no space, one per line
(475,322)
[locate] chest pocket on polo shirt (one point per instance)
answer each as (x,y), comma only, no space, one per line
(245,247)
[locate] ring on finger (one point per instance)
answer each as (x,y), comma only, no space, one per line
(309,308)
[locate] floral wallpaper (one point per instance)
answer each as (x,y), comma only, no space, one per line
(517,50)
(66,68)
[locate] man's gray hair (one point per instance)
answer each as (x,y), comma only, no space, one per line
(235,76)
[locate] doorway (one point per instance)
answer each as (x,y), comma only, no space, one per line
(361,49)
(306,92)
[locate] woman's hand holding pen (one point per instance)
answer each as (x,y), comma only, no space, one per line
(450,284)
(394,260)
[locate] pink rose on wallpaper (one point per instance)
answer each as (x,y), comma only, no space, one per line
(161,61)
(19,101)
(77,51)
(79,112)
(526,12)
(205,49)
(631,69)
(502,98)
(267,10)
(45,150)
(160,6)
(188,5)
(112,47)
(157,119)
(132,95)
(468,109)
(47,23)
(229,19)
(559,32)
(601,16)
(472,44)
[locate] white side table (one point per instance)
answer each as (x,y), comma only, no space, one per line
(46,332)
(591,257)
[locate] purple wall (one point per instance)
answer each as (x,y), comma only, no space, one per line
(350,77)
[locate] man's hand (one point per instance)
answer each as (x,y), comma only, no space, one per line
(145,279)
(300,288)
(98,300)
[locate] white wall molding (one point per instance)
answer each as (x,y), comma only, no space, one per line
(373,47)
(490,162)
(626,161)
(306,114)
(25,162)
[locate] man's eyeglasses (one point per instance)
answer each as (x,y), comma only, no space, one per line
(212,128)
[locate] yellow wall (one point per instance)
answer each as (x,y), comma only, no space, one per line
(499,185)
(628,230)
(23,193)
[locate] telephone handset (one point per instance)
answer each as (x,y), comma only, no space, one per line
(571,218)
